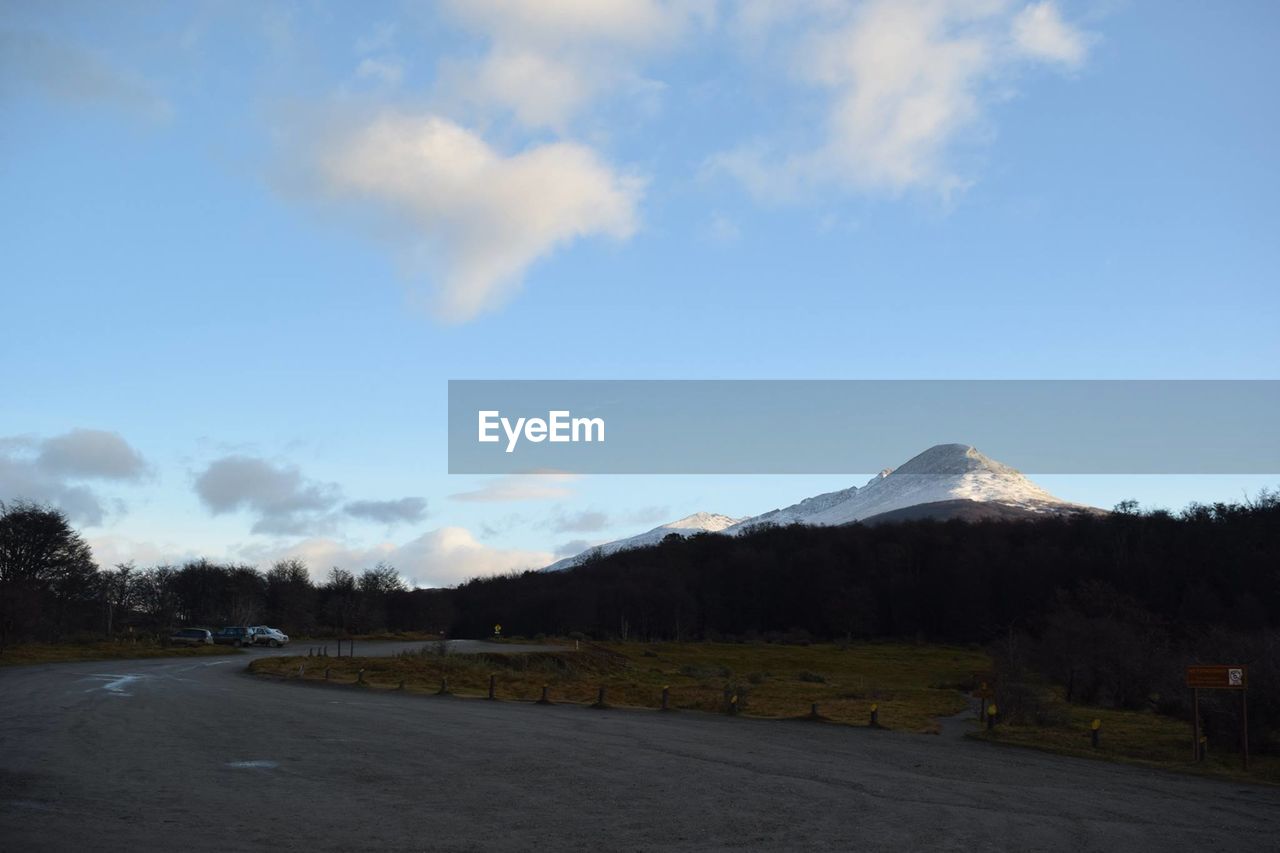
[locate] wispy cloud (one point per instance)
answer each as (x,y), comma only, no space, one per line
(904,80)
(520,487)
(32,61)
(401,511)
(548,60)
(586,521)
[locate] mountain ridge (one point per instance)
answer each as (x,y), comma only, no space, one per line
(944,481)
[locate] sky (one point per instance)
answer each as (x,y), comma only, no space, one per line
(244,246)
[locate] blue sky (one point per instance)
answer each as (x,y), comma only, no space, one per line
(246,245)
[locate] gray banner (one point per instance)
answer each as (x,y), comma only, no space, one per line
(861,426)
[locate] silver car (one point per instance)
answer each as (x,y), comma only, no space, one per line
(261,635)
(191,637)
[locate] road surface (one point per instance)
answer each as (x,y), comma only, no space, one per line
(192,754)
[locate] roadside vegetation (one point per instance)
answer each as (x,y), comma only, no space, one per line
(1131,737)
(910,685)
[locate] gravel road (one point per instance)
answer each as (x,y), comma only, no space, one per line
(192,754)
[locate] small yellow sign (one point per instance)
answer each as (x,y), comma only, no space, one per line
(992,710)
(1096,724)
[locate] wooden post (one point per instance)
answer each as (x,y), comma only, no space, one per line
(600,703)
(401,687)
(1093,732)
(545,700)
(875,714)
(360,677)
(1195,725)
(1244,726)
(493,685)
(444,687)
(326,673)
(813,711)
(666,698)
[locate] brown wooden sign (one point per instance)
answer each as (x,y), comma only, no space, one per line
(1218,677)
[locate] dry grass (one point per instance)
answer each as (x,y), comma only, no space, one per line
(910,684)
(1134,737)
(31,653)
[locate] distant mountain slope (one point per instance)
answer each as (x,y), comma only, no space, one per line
(945,481)
(699,522)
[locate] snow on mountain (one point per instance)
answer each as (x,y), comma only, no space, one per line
(699,522)
(946,472)
(953,480)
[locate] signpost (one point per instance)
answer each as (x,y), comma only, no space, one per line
(1219,677)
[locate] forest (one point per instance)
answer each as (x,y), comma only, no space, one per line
(1111,607)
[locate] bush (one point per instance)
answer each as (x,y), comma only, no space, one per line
(811,677)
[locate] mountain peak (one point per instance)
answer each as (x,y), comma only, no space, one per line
(944,459)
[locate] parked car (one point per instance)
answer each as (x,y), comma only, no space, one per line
(233,636)
(264,636)
(191,637)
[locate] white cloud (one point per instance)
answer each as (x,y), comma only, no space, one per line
(521,487)
(904,79)
(540,90)
(548,59)
(480,217)
(440,557)
(1040,33)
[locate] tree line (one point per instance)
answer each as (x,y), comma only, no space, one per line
(51,589)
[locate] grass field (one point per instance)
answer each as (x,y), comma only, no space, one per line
(29,653)
(1134,737)
(911,685)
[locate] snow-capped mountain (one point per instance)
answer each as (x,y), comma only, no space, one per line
(944,473)
(699,522)
(946,481)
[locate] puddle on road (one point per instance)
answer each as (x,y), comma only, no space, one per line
(255,764)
